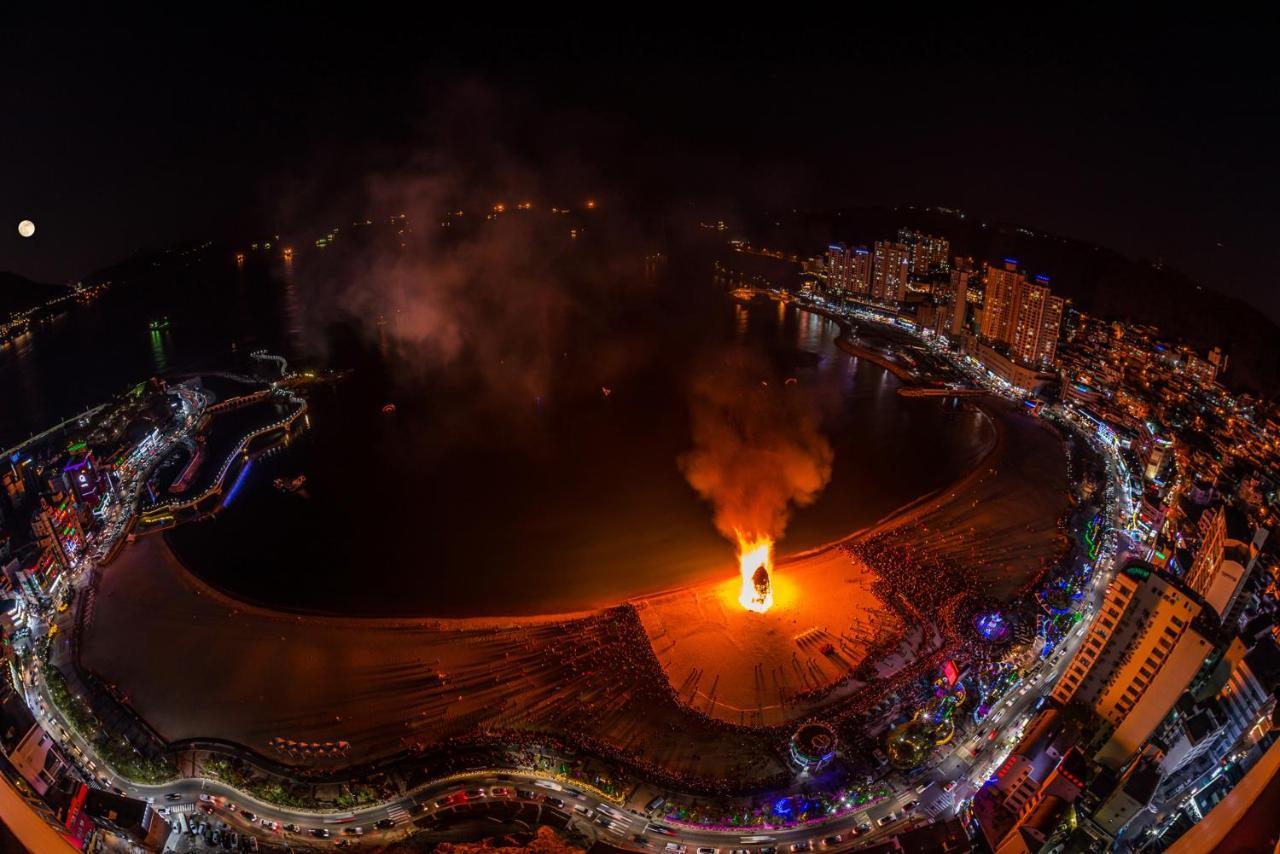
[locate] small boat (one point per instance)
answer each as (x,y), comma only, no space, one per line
(158,324)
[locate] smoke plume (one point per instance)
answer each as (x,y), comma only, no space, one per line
(758,449)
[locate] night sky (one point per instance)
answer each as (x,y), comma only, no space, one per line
(1155,139)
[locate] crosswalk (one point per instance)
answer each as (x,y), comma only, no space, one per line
(398,814)
(940,805)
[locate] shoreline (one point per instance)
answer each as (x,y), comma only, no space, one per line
(506,666)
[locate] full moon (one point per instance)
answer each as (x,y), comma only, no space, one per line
(26,228)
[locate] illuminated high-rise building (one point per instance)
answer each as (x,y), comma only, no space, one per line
(849,269)
(1145,645)
(890,269)
(1046,349)
(1225,559)
(1022,314)
(952,299)
(1036,322)
(1002,287)
(928,254)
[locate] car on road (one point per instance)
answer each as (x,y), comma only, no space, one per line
(525,794)
(293,828)
(864,827)
(248,816)
(442,802)
(657,828)
(320,832)
(803,845)
(353,831)
(675,848)
(834,839)
(553,801)
(639,839)
(474,793)
(910,805)
(499,792)
(949,785)
(384,824)
(708,851)
(270,824)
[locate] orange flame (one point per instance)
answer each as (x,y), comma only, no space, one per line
(753,554)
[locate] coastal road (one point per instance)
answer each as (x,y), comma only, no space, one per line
(436,803)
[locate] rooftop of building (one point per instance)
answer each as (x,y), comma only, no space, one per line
(1140,779)
(1048,738)
(124,813)
(1046,816)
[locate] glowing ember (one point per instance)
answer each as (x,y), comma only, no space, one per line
(755,561)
